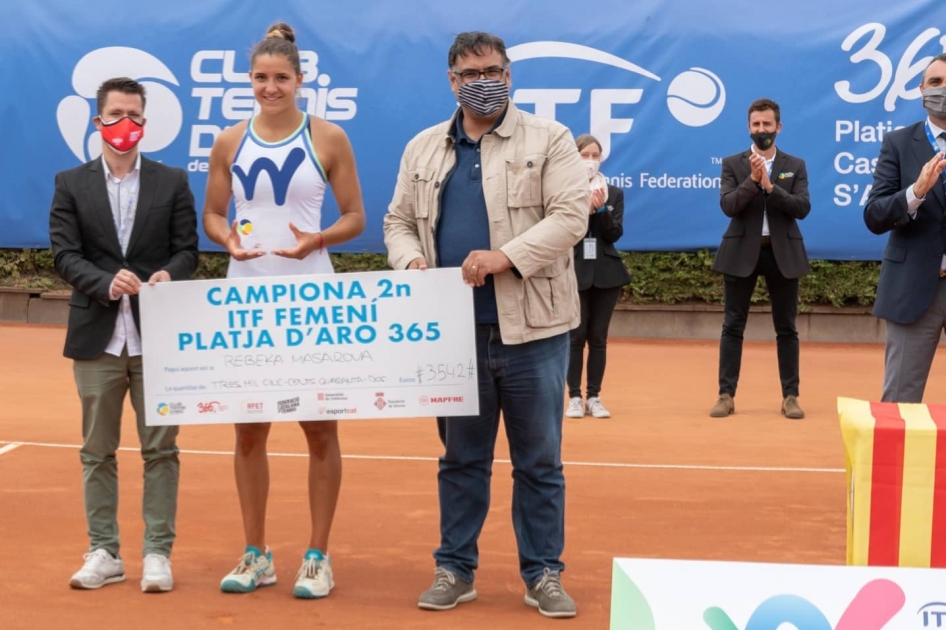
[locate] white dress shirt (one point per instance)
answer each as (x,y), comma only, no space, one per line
(913,202)
(123,199)
(768,167)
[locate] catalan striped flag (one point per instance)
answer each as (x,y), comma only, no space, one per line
(896,481)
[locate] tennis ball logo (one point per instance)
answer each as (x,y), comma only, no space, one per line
(696,97)
(245,227)
(163,409)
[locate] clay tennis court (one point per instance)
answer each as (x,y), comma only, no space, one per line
(659,479)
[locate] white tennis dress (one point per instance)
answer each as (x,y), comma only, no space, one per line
(274,183)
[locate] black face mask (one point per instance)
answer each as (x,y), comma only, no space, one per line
(763,141)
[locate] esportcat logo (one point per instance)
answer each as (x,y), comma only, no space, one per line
(695,97)
(220,95)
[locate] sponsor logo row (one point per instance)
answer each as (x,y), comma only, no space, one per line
(291,405)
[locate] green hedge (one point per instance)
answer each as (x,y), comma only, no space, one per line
(670,278)
(658,277)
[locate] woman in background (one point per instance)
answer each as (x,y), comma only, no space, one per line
(601,274)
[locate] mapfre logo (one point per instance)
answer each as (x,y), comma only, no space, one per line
(440,400)
(695,97)
(163,110)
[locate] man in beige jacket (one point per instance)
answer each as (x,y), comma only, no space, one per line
(503,195)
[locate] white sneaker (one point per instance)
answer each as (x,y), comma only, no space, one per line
(575,408)
(596,409)
(255,569)
(100,568)
(314,579)
(156,574)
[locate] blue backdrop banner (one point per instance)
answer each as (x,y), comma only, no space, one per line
(664,84)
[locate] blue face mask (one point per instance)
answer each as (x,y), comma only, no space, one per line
(484,97)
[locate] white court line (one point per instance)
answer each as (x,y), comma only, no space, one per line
(9,446)
(404,458)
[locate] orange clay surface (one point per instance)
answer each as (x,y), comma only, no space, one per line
(646,483)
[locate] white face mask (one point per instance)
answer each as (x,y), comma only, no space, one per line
(592,166)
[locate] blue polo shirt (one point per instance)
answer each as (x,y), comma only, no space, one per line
(463,223)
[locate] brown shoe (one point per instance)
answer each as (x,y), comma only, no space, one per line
(723,407)
(790,408)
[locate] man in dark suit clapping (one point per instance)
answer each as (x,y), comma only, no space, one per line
(116,222)
(764,191)
(908,199)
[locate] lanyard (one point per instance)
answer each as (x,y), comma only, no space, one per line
(936,149)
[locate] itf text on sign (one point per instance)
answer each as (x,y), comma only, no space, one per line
(341,346)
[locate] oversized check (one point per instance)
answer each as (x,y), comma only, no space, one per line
(324,347)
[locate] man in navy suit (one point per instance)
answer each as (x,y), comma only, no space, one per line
(908,199)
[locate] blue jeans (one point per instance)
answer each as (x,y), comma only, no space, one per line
(526,383)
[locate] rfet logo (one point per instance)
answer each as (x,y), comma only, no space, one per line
(250,406)
(211,407)
(164,113)
(695,97)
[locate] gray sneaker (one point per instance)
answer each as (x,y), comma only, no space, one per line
(446,592)
(549,597)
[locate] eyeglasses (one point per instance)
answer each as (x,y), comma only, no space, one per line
(494,73)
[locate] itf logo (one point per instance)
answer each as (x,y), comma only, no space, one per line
(163,110)
(695,97)
(933,615)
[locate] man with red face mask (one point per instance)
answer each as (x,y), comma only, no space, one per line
(116,222)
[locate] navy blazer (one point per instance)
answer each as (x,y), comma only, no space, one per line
(909,274)
(88,254)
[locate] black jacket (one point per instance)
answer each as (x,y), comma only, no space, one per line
(607,270)
(88,253)
(745,202)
